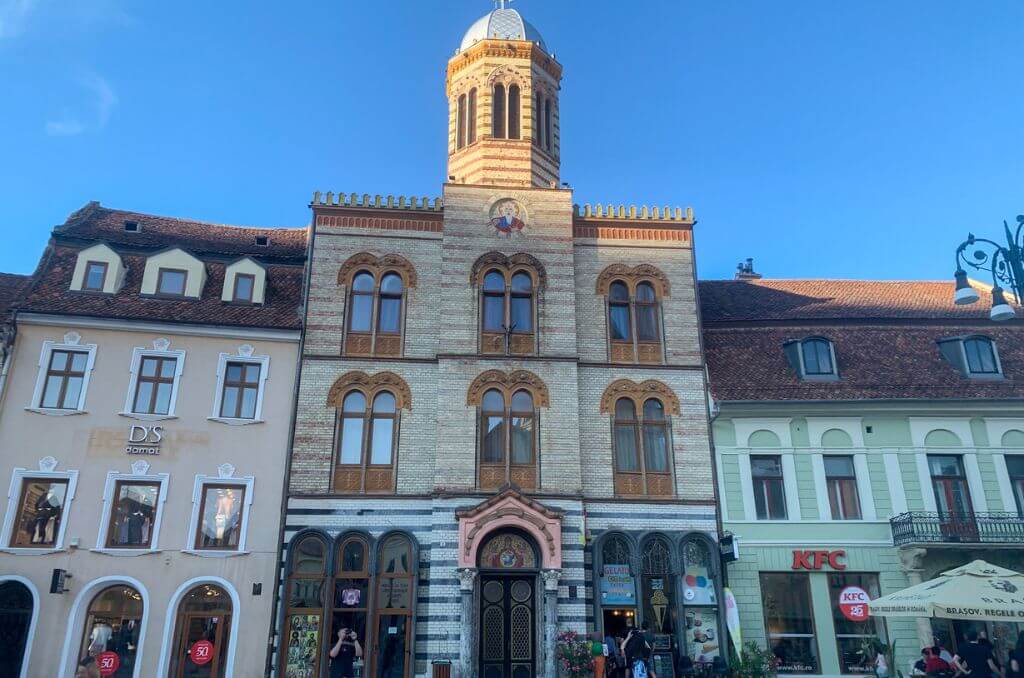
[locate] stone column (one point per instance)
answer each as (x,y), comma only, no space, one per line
(911,561)
(550,621)
(467,636)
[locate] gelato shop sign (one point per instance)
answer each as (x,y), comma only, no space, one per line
(144,439)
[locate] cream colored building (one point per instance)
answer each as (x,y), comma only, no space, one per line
(143,436)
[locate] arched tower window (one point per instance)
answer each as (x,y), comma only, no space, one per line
(547,124)
(471,119)
(513,112)
(538,118)
(460,122)
(498,112)
(377,290)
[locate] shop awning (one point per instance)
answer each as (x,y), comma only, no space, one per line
(978,590)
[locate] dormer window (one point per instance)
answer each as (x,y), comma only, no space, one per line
(95,276)
(171,282)
(975,357)
(262,241)
(813,359)
(131,227)
(244,286)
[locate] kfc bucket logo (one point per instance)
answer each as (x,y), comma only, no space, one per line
(853,603)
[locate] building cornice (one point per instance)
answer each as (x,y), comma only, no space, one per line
(264,334)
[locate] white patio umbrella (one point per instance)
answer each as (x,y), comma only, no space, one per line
(978,590)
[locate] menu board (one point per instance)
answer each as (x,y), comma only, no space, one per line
(303,645)
(662,665)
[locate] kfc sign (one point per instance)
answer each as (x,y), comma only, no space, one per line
(853,603)
(815,560)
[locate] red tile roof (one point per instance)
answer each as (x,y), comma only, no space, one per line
(12,287)
(215,245)
(884,334)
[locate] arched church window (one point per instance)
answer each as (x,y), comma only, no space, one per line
(513,111)
(366,443)
(377,290)
(498,112)
(460,122)
(507,439)
(471,118)
(304,606)
(538,119)
(642,453)
(634,314)
(202,630)
(508,309)
(547,123)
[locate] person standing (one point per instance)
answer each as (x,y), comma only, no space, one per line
(1015,666)
(597,654)
(344,653)
(974,659)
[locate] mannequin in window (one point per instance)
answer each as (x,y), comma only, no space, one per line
(99,638)
(224,519)
(47,516)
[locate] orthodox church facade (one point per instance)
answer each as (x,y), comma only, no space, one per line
(501,429)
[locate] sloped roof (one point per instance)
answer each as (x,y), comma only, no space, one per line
(12,287)
(885,336)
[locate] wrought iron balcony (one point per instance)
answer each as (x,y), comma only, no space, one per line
(919,527)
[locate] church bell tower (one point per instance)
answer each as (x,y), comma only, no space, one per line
(502,88)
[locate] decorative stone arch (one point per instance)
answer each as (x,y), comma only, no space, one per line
(370,386)
(377,267)
(506,75)
(509,265)
(632,276)
(638,393)
(511,510)
(673,550)
(508,383)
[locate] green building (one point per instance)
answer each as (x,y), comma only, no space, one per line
(868,436)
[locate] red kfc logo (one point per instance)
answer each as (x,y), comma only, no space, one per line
(815,560)
(853,603)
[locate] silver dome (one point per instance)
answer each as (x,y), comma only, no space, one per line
(504,24)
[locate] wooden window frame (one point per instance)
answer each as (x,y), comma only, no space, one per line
(366,443)
(103,279)
(804,344)
(375,338)
(838,485)
(64,375)
(156,380)
(324,576)
(514,125)
(471,118)
(15,540)
(499,111)
(621,479)
(222,638)
(160,283)
(961,477)
(241,385)
(1016,480)
(460,122)
(364,575)
(759,481)
(512,341)
(114,498)
(634,350)
(235,297)
(226,485)
(371,649)
(511,471)
(997,369)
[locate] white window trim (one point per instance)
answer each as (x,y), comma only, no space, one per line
(159,350)
(225,476)
(46,470)
(832,354)
(244,355)
(789,484)
(777,425)
(894,479)
(995,356)
(138,474)
(997,428)
(920,427)
(1002,469)
(71,343)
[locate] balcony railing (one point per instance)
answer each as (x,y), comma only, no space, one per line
(920,527)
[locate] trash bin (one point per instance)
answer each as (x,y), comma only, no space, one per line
(442,668)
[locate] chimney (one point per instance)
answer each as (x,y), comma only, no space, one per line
(745,270)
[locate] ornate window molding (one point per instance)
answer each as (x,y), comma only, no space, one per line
(139,474)
(243,356)
(376,303)
(72,344)
(508,383)
(161,349)
(509,303)
(512,264)
(47,471)
(632,275)
(638,393)
(370,385)
(377,265)
(225,478)
(633,312)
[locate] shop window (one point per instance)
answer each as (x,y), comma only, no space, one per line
(617,586)
(508,440)
(841,482)
(700,598)
(658,588)
(16,607)
(789,621)
(201,633)
(222,513)
(304,600)
(394,607)
(769,487)
(132,514)
(351,590)
(1015,468)
(41,507)
(854,628)
(112,625)
(366,443)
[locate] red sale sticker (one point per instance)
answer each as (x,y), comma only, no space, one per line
(201,652)
(853,603)
(108,662)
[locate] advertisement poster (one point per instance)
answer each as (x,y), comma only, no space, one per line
(732,622)
(702,641)
(618,586)
(698,587)
(303,645)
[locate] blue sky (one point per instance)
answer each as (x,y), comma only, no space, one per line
(824,139)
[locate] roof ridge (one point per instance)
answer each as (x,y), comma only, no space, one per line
(199,221)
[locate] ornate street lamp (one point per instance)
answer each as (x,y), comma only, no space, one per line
(1004,262)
